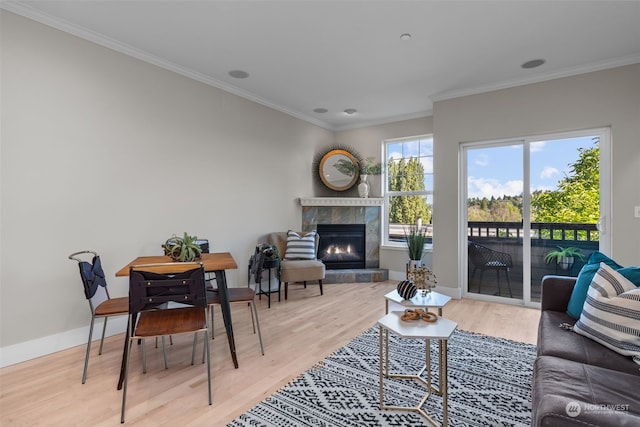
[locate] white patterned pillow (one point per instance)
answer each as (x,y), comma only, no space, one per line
(301,247)
(611,313)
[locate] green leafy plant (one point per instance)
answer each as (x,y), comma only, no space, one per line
(560,254)
(416,237)
(346,167)
(182,249)
(369,166)
(270,252)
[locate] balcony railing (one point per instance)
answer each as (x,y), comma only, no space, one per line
(561,232)
(539,230)
(507,237)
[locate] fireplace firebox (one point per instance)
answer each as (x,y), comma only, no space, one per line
(342,246)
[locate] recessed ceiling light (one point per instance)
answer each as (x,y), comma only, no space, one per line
(533,63)
(238,74)
(320,110)
(405,36)
(350,111)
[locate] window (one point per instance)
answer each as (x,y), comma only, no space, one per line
(525,198)
(409,186)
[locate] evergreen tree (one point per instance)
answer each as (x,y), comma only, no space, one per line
(407,176)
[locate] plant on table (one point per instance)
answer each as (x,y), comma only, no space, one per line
(182,249)
(270,251)
(416,237)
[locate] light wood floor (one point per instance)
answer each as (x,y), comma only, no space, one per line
(297,334)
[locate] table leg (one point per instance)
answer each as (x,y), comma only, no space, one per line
(427,361)
(442,348)
(225,307)
(386,331)
(381,356)
(269,294)
(124,354)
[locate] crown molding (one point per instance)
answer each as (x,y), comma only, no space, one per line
(418,115)
(99,39)
(619,62)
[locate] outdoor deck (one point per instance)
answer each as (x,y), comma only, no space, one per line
(508,237)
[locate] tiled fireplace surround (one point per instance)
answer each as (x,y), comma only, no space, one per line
(349,210)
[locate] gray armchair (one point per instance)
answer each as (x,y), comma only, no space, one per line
(296,270)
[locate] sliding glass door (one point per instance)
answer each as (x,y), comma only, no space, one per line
(533,206)
(494,202)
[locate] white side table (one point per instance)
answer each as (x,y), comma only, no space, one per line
(440,330)
(431,299)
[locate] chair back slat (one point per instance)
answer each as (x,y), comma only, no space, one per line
(475,253)
(92,276)
(149,289)
(204,245)
(483,256)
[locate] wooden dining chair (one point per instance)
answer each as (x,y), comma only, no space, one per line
(166,299)
(97,294)
(237,295)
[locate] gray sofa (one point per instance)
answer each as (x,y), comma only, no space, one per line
(577,381)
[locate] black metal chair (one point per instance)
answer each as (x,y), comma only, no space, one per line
(484,259)
(100,303)
(209,277)
(151,289)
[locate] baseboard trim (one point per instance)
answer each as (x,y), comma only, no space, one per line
(21,352)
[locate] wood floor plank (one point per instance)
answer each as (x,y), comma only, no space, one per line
(297,334)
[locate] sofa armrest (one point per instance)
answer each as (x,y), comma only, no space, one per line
(556,292)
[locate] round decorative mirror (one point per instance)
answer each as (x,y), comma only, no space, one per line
(339,170)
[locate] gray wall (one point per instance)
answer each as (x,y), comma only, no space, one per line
(368,141)
(102,151)
(600,99)
(105,152)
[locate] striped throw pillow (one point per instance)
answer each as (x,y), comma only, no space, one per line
(301,247)
(611,313)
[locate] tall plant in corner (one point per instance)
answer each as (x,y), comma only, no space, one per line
(416,237)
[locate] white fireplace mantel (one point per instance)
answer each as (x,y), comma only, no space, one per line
(341,201)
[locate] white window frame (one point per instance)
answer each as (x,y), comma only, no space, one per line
(604,223)
(387,194)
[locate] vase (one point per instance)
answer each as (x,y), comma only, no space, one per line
(415,263)
(363,187)
(423,278)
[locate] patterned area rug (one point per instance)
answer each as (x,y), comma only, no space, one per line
(489,385)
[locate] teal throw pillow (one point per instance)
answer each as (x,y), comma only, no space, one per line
(632,274)
(579,294)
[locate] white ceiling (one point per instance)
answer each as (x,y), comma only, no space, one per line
(303,54)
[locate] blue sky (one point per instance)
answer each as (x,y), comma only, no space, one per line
(497,171)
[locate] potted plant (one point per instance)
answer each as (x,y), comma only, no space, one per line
(369,166)
(564,257)
(416,237)
(270,252)
(182,249)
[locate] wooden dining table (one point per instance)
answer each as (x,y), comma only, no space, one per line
(216,263)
